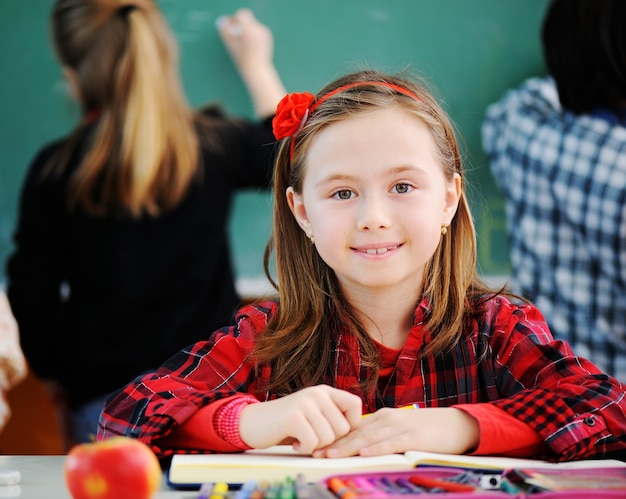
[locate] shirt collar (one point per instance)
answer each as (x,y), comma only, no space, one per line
(612,116)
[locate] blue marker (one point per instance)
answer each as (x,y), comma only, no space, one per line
(246,489)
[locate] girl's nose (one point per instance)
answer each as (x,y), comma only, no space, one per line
(374,213)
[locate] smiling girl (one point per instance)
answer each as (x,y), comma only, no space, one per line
(378,307)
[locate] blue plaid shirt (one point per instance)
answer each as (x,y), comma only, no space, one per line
(564,180)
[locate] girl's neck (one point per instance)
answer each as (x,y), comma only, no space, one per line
(387,317)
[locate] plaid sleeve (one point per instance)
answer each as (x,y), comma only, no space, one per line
(151,405)
(579,411)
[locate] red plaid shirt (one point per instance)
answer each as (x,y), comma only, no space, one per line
(578,411)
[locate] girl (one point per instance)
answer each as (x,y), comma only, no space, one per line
(129,213)
(379,307)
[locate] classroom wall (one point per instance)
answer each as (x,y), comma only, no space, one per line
(470,50)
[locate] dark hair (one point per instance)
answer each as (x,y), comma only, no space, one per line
(584,43)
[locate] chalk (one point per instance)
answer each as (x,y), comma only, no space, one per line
(233,29)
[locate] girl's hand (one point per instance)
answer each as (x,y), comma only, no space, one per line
(390,431)
(309,419)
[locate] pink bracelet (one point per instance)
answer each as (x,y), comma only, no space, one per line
(226,421)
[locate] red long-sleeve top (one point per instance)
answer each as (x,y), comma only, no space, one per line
(555,405)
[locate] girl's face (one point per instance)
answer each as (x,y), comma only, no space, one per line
(374,197)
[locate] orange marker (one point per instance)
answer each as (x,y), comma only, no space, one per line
(340,489)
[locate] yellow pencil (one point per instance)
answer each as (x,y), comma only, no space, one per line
(409,406)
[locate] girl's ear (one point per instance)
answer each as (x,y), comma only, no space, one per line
(453,195)
(72,81)
(296,205)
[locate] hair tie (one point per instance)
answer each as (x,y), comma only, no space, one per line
(294,109)
(124,10)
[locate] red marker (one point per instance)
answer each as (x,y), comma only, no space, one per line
(435,483)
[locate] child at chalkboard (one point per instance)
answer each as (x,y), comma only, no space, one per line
(122,255)
(379,307)
(563,139)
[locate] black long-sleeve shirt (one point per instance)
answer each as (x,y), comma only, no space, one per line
(139,289)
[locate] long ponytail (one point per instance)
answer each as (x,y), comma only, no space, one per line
(143,151)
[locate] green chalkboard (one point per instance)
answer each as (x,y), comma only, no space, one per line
(471,50)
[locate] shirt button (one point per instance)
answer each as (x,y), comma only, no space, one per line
(589,421)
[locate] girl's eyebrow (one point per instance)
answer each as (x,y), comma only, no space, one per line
(412,168)
(394,171)
(334,177)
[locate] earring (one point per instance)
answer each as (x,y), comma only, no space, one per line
(444,230)
(312,238)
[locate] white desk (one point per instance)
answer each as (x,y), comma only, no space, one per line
(42,478)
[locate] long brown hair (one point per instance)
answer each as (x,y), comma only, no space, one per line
(143,151)
(298,341)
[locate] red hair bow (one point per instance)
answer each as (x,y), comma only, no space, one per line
(291,113)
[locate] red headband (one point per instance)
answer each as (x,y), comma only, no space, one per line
(293,110)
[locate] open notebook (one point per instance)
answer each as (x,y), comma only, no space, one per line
(280,462)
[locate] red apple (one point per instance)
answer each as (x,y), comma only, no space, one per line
(117,468)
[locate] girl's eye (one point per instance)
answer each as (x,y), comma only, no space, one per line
(343,194)
(402,188)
